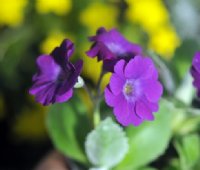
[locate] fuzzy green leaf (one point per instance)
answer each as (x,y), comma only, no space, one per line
(107,145)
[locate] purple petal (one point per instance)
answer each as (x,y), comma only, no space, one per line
(48,68)
(64,97)
(143,111)
(141,67)
(111,99)
(100,31)
(116,84)
(152,90)
(119,68)
(93,51)
(70,81)
(67,46)
(196,61)
(150,71)
(154,107)
(78,67)
(195,71)
(38,86)
(134,68)
(99,49)
(116,43)
(108,65)
(126,115)
(65,51)
(196,76)
(45,95)
(119,45)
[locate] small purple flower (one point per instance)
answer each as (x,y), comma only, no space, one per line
(111,46)
(134,91)
(195,71)
(56,75)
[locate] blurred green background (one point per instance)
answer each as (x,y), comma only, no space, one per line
(28,28)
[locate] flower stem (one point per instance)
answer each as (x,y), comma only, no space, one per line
(96,99)
(88,92)
(96,118)
(98,87)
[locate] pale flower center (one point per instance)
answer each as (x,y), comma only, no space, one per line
(132,90)
(128,89)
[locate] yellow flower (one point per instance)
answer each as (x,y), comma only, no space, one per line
(150,14)
(153,17)
(164,42)
(60,7)
(30,124)
(98,14)
(54,39)
(92,70)
(12,12)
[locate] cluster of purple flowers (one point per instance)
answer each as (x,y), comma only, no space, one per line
(133,91)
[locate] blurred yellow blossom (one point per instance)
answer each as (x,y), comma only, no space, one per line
(98,14)
(150,14)
(12,12)
(30,124)
(164,42)
(60,7)
(153,17)
(54,39)
(92,69)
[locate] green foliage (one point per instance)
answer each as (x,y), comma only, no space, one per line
(107,145)
(149,140)
(68,125)
(189,151)
(147,168)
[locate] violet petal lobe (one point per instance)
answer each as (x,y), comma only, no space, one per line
(119,68)
(116,84)
(196,61)
(143,111)
(64,51)
(149,87)
(195,72)
(128,112)
(111,99)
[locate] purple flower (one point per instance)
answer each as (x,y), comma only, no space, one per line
(56,76)
(111,46)
(195,71)
(134,91)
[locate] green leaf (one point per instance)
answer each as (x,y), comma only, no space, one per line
(147,168)
(185,120)
(107,145)
(189,151)
(185,91)
(68,126)
(98,169)
(149,140)
(173,164)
